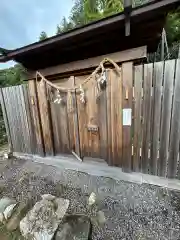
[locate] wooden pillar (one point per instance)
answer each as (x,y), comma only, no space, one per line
(36,116)
(127,78)
(45,118)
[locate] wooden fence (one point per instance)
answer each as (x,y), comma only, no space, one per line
(149,143)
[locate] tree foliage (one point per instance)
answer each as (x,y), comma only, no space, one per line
(43,36)
(12,76)
(86,11)
(9,77)
(173,27)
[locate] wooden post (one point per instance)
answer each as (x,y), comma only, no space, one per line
(36,116)
(127,78)
(127,11)
(45,118)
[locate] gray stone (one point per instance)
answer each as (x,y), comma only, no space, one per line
(19,213)
(9,211)
(48,197)
(42,221)
(4,203)
(74,227)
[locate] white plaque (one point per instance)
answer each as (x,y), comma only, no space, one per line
(127,116)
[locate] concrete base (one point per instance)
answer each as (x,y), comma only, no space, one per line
(100,169)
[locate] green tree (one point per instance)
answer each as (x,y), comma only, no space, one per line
(64,26)
(86,11)
(173,27)
(43,36)
(8,77)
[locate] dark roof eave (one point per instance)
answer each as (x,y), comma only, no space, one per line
(151,6)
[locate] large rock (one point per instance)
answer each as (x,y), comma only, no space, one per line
(4,203)
(42,221)
(74,227)
(19,213)
(9,211)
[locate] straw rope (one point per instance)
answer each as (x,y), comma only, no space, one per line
(72,89)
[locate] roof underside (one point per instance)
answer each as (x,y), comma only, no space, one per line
(98,38)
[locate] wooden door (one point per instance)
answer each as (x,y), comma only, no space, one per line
(100,118)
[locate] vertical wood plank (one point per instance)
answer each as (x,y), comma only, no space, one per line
(116,117)
(22,109)
(148,70)
(16,117)
(156,108)
(175,126)
(102,122)
(109,119)
(10,118)
(70,121)
(127,77)
(166,116)
(28,114)
(82,121)
(36,117)
(137,116)
(56,127)
(6,121)
(73,122)
(92,118)
(45,118)
(62,122)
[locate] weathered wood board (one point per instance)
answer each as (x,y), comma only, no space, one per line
(36,121)
(147,87)
(127,79)
(156,107)
(133,123)
(175,127)
(45,117)
(166,116)
(137,141)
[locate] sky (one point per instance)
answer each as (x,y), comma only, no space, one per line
(22,21)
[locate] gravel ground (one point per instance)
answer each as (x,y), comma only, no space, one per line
(132,211)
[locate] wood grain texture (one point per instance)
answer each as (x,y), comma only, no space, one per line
(56,118)
(148,70)
(28,113)
(109,118)
(10,119)
(76,126)
(114,99)
(61,126)
(45,118)
(123,56)
(127,79)
(82,121)
(166,116)
(73,121)
(23,119)
(6,121)
(156,108)
(36,116)
(16,118)
(92,118)
(102,123)
(175,126)
(137,139)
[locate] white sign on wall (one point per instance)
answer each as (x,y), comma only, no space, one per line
(127,112)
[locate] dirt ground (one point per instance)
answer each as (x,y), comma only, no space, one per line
(132,211)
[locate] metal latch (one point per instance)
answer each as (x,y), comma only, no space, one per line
(92,128)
